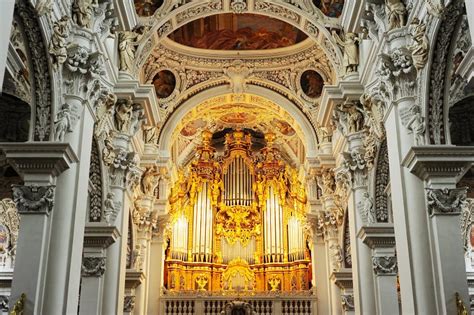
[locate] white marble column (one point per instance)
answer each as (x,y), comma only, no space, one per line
(38,164)
(343,279)
(364,293)
(98,236)
(156,275)
(441,167)
(67,238)
(381,239)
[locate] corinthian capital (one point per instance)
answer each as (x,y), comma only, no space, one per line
(398,73)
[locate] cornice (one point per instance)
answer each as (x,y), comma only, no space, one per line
(100,235)
(342,278)
(439,162)
(378,235)
(133,278)
(239,54)
(39,158)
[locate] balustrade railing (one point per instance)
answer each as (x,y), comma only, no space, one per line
(285,304)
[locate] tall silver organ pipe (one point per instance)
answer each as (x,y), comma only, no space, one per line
(273,227)
(202,227)
(238,184)
(180,239)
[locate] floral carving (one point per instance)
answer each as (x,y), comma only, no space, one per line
(95,194)
(129,303)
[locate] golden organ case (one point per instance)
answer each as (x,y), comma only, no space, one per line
(238,221)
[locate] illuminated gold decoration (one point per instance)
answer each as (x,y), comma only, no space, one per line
(274,283)
(244,210)
(238,223)
(201,281)
(238,276)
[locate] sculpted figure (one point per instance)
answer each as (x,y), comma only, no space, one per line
(396,13)
(150,180)
(109,207)
(417,125)
(351,50)
(216,189)
(108,153)
(57,46)
(82,11)
(367,205)
(128,42)
(150,134)
(123,114)
(62,124)
(419,48)
(138,116)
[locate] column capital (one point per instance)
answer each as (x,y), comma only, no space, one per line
(378,235)
(93,266)
(128,303)
(347,300)
(33,199)
(439,165)
(39,162)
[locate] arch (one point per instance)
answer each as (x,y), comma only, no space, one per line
(310,23)
(310,137)
(436,112)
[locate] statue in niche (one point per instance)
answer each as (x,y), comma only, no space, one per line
(396,13)
(350,47)
(123,114)
(128,43)
(82,11)
(62,123)
(150,180)
(57,46)
(420,46)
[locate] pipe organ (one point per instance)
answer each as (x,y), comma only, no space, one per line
(237,220)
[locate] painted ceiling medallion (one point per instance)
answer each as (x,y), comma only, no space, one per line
(237,32)
(147,7)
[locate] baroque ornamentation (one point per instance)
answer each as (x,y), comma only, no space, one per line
(33,198)
(420,45)
(150,179)
(385,265)
(129,303)
(82,12)
(467,220)
(93,266)
(95,194)
(57,46)
(348,118)
(445,201)
(10,219)
(382,180)
(347,301)
(396,14)
(128,116)
(62,123)
(238,6)
(41,74)
(336,257)
(110,208)
(442,47)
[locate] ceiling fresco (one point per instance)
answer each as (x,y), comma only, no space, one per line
(330,8)
(237,32)
(147,7)
(239,112)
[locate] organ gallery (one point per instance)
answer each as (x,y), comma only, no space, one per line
(239,220)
